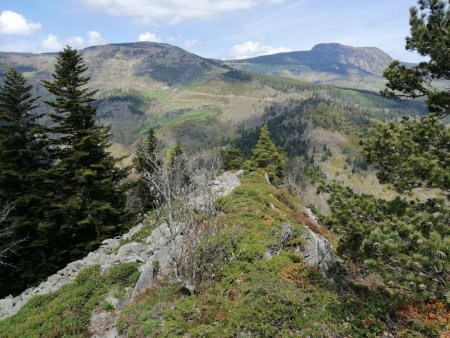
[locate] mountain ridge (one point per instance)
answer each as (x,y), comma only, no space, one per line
(326,63)
(182,95)
(328,52)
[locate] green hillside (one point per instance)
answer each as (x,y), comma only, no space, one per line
(143,85)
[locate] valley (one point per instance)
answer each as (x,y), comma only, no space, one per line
(143,85)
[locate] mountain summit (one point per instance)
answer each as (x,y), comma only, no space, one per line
(325,63)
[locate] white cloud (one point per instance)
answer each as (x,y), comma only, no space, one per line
(251,49)
(191,43)
(15,24)
(51,43)
(150,37)
(75,42)
(95,39)
(172,10)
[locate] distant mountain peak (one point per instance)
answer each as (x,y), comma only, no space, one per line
(337,47)
(333,58)
(330,45)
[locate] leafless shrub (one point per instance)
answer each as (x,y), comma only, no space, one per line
(185,197)
(205,259)
(4,212)
(7,244)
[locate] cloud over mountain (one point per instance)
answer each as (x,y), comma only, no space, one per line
(149,37)
(250,49)
(52,43)
(13,23)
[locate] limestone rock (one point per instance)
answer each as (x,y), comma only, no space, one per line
(131,248)
(133,231)
(145,280)
(317,251)
(110,244)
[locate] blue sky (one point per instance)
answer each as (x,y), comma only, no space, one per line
(221,29)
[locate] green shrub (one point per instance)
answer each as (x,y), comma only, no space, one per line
(67,312)
(108,307)
(125,274)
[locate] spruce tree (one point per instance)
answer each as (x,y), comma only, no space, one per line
(178,162)
(267,156)
(89,195)
(175,153)
(23,164)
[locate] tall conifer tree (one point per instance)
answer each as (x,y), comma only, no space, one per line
(90,197)
(23,164)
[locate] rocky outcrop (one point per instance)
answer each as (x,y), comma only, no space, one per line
(317,251)
(123,249)
(110,253)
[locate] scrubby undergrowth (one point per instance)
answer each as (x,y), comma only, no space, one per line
(258,297)
(241,292)
(66,312)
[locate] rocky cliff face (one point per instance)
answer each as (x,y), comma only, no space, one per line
(365,59)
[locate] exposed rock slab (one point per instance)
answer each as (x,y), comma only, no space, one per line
(317,251)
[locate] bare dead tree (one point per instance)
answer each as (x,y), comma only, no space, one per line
(203,169)
(6,243)
(4,212)
(295,176)
(184,190)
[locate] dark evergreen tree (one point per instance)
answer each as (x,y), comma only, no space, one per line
(145,162)
(177,161)
(89,196)
(23,164)
(267,156)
